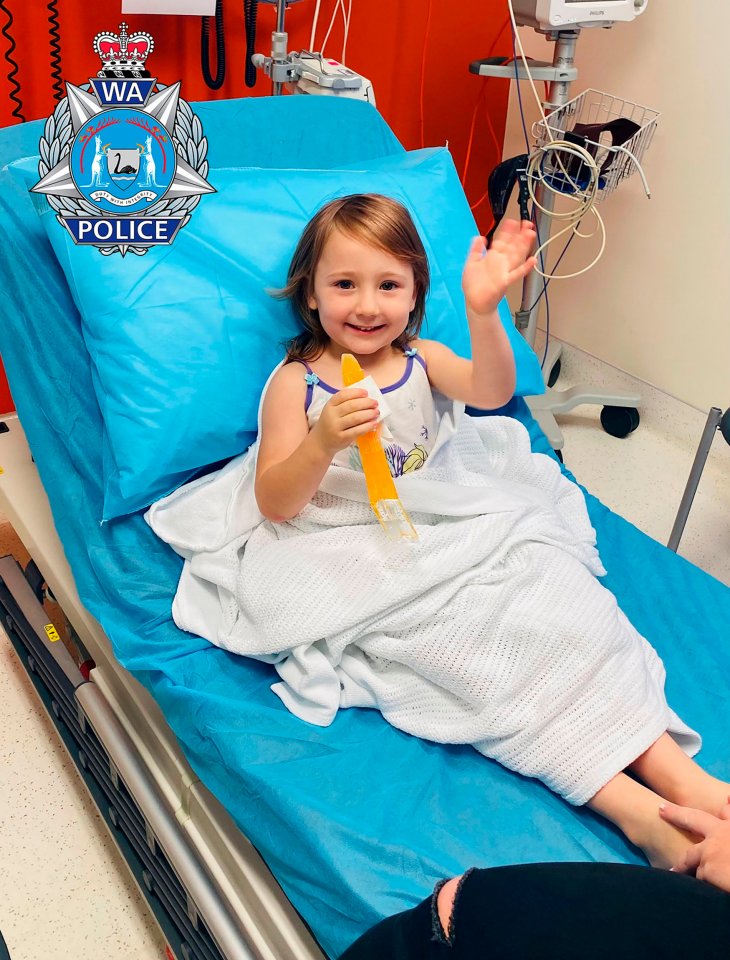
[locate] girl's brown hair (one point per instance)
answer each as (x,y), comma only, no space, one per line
(373,219)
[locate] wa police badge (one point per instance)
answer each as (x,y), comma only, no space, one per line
(123,158)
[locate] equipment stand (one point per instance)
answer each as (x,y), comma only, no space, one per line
(625,418)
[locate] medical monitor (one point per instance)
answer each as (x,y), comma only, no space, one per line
(568,14)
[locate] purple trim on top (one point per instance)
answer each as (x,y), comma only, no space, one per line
(310,386)
(394,386)
(406,375)
(327,387)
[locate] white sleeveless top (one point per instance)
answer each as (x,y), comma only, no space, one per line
(407,432)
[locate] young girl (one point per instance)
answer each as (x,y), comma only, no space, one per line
(541,670)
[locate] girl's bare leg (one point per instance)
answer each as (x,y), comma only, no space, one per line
(676,777)
(635,811)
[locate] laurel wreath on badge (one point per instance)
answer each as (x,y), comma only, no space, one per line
(189,143)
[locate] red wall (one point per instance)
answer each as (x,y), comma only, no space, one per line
(416,52)
(6,402)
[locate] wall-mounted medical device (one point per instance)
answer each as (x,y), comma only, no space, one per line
(306,71)
(549,15)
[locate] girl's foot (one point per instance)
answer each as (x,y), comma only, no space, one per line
(704,793)
(663,845)
(667,770)
(635,810)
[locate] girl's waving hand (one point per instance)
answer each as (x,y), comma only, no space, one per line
(489,273)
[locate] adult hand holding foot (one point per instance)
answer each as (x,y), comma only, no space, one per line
(710,858)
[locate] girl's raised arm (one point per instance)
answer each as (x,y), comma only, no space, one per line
(487,380)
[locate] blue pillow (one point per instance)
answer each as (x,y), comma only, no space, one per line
(183,339)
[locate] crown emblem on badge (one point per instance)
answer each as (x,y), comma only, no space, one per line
(123,55)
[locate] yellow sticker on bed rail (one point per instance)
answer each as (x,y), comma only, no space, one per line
(52,632)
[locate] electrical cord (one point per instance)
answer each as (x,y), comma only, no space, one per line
(545,285)
(544,291)
(17,111)
(250,13)
(587,205)
(547,301)
(215,83)
(55,44)
(482,95)
(585,162)
(539,252)
(583,197)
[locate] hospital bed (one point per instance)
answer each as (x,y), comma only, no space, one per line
(252,834)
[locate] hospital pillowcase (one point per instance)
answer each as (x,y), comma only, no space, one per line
(183,338)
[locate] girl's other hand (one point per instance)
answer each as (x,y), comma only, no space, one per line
(489,273)
(348,415)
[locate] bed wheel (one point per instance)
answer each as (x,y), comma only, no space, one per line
(38,585)
(619,421)
(554,373)
(725,425)
(559,455)
(35,580)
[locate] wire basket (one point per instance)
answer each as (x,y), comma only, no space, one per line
(617,150)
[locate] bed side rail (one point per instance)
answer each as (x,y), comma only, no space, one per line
(185,899)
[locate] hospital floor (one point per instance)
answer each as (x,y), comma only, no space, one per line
(65,892)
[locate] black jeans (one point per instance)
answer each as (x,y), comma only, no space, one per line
(561,911)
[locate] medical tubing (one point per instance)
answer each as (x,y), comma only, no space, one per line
(422,86)
(55,44)
(17,111)
(315,19)
(215,83)
(347,29)
(335,11)
(250,13)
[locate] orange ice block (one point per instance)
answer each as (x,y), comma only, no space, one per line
(381,489)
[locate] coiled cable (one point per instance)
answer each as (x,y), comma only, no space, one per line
(17,111)
(215,83)
(250,13)
(55,43)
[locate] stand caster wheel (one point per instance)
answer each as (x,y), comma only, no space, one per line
(619,421)
(554,373)
(725,425)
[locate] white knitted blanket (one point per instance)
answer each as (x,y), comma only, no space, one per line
(492,630)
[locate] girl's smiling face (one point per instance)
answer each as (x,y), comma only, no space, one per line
(363,294)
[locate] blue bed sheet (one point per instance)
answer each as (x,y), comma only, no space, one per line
(357,820)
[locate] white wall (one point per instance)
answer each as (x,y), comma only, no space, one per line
(657,305)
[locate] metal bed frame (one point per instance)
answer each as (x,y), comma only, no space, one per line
(210,891)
